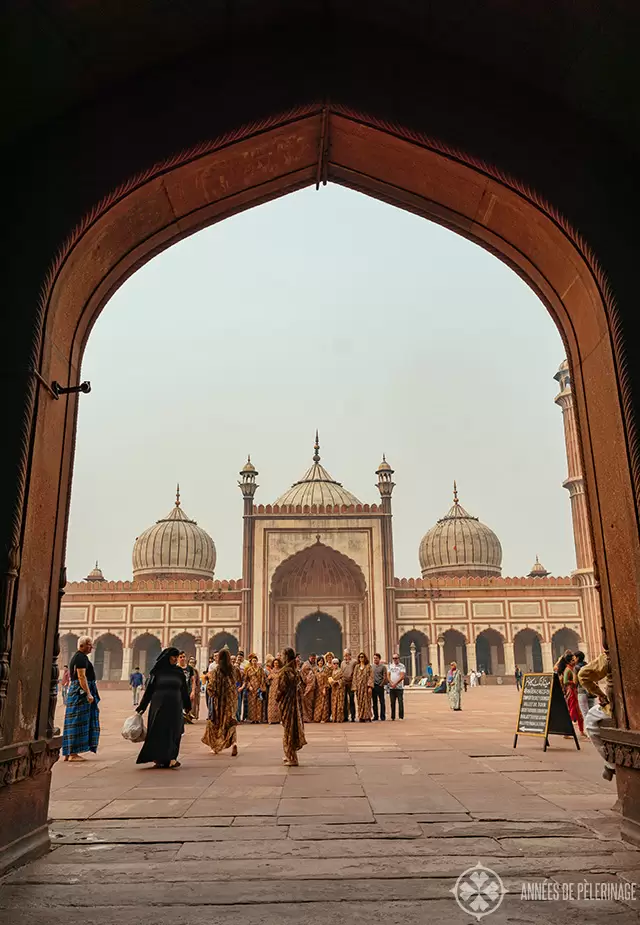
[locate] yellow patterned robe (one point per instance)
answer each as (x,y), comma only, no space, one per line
(273,712)
(289,698)
(322,706)
(362,684)
(337,683)
(220,731)
(309,675)
(255,680)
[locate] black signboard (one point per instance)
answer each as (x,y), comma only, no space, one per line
(543,709)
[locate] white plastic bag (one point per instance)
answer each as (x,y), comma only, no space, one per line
(133,728)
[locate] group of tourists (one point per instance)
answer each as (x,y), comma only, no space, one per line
(332,690)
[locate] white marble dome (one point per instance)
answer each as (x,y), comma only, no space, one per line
(175,547)
(317,487)
(460,545)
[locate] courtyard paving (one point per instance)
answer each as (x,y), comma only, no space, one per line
(377,823)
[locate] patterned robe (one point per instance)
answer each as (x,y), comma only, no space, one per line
(255,680)
(273,712)
(362,684)
(309,673)
(289,698)
(220,732)
(322,706)
(337,684)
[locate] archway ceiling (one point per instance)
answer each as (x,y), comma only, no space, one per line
(318,571)
(60,56)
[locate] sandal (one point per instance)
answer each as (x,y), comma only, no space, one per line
(234,751)
(176,764)
(75,758)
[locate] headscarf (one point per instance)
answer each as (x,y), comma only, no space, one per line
(162,662)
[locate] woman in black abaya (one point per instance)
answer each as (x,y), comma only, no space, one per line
(168,695)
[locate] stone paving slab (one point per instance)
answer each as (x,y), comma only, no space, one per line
(136,809)
(354,807)
(241,807)
(376,829)
(180,832)
(76,809)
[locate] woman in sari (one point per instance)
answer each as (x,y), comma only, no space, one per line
(362,683)
(273,710)
(223,701)
(570,686)
(454,686)
(268,668)
(321,707)
(168,699)
(336,684)
(255,684)
(289,698)
(195,692)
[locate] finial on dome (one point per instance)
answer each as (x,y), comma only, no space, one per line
(178,495)
(455,492)
(316,449)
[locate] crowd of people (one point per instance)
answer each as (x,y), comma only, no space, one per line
(289,692)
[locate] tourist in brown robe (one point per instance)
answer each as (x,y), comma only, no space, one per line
(268,668)
(336,683)
(328,661)
(362,682)
(273,710)
(195,691)
(323,694)
(308,673)
(256,686)
(289,698)
(220,732)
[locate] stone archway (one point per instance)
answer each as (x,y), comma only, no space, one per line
(68,645)
(220,640)
(185,642)
(421,642)
(562,640)
(332,582)
(107,657)
(490,652)
(319,633)
(527,651)
(139,204)
(454,650)
(146,649)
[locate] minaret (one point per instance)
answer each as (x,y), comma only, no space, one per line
(574,483)
(248,487)
(385,487)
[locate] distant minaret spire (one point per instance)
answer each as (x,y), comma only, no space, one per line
(316,449)
(178,495)
(455,492)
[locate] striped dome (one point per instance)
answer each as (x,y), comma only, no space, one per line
(461,545)
(317,487)
(175,547)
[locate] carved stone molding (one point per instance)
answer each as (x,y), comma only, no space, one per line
(622,747)
(28,759)
(8,580)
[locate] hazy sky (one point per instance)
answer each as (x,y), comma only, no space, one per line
(331,310)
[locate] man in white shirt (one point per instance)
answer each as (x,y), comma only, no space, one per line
(396,672)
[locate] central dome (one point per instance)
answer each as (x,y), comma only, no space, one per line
(175,547)
(317,487)
(459,544)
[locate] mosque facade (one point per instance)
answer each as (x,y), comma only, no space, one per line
(318,570)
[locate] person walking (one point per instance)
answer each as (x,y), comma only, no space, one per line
(168,698)
(348,666)
(221,728)
(396,672)
(189,676)
(518,677)
(82,715)
(65,681)
(380,681)
(454,686)
(290,700)
(362,683)
(136,680)
(570,685)
(601,713)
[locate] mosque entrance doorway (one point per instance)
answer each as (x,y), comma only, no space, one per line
(318,632)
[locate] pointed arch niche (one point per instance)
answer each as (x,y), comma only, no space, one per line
(318,579)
